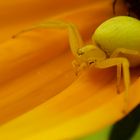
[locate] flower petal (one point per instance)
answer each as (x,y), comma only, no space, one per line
(37,69)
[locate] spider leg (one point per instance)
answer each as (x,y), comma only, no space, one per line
(75,39)
(122,62)
(115,54)
(119,75)
(78,67)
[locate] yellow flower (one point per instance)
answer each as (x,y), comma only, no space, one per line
(40,96)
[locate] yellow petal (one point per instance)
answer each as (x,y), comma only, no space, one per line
(41,98)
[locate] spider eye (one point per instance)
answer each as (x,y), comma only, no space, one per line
(92,62)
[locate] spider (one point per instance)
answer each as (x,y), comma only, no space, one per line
(117,44)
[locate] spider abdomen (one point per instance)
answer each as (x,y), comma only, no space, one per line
(119,32)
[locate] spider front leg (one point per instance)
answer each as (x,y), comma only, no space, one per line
(75,39)
(125,66)
(78,67)
(119,73)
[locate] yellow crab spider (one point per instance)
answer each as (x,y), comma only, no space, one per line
(117,44)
